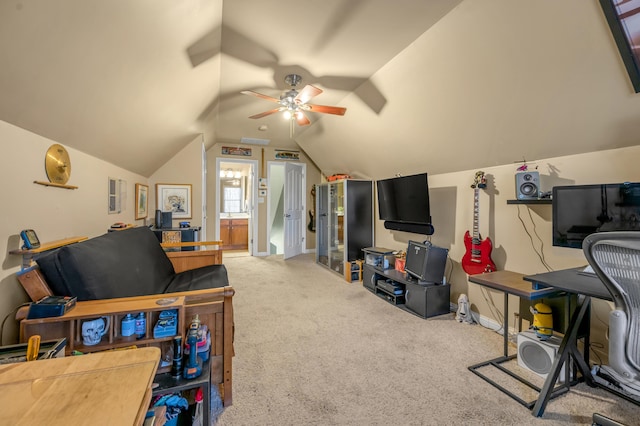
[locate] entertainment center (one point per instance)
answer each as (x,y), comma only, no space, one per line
(422,298)
(420,288)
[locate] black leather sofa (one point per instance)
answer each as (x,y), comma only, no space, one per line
(122,264)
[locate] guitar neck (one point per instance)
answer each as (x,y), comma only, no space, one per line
(476,215)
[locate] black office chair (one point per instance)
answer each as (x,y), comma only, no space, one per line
(615,258)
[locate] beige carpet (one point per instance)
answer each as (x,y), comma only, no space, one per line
(312,349)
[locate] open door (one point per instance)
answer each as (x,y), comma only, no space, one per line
(294,209)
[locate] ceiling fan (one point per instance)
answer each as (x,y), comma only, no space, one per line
(294,103)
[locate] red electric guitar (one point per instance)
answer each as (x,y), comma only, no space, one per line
(477,259)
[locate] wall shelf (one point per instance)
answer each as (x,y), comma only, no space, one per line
(537,201)
(28,255)
(57,185)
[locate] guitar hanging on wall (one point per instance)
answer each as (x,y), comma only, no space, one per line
(312,223)
(477,258)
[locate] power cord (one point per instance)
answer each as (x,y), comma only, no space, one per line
(540,253)
(10,314)
(450,261)
(493,309)
(596,345)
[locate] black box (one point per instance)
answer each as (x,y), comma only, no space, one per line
(427,300)
(51,306)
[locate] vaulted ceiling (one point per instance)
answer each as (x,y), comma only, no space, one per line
(437,86)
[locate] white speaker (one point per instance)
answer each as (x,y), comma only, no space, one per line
(527,185)
(538,355)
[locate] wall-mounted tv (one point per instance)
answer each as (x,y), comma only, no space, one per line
(403,203)
(580,210)
(624,21)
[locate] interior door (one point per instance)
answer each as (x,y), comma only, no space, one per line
(294,210)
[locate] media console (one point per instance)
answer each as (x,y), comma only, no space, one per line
(400,289)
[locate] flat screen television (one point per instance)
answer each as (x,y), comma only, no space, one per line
(403,203)
(426,262)
(580,210)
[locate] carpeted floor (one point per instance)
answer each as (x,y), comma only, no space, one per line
(312,349)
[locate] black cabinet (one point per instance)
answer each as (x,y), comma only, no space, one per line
(344,222)
(400,289)
(427,300)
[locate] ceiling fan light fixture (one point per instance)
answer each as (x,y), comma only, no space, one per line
(294,103)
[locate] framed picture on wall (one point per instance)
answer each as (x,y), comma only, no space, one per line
(142,201)
(175,198)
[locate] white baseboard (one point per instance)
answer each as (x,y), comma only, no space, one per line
(489,323)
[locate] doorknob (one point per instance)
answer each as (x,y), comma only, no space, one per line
(287,215)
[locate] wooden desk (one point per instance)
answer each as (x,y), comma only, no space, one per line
(106,388)
(585,286)
(514,283)
(511,283)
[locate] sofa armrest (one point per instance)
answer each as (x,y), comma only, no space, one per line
(34,283)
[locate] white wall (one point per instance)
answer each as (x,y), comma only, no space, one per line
(184,168)
(54,213)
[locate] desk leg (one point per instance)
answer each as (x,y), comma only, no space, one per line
(567,347)
(505,324)
(206,401)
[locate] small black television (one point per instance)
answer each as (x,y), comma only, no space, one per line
(580,210)
(403,203)
(426,262)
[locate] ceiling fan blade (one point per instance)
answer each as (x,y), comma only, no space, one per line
(302,119)
(264,114)
(260,95)
(327,109)
(307,93)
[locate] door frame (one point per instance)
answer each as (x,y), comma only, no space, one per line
(304,201)
(253,219)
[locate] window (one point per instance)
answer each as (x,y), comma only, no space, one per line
(232,199)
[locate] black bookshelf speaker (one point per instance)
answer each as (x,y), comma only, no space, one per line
(527,185)
(167,220)
(158,219)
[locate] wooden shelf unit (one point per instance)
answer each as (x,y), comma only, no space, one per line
(70,324)
(213,306)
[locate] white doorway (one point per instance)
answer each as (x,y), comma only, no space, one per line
(236,198)
(286,206)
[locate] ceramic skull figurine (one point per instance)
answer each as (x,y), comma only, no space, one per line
(93,330)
